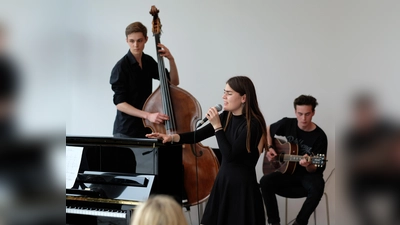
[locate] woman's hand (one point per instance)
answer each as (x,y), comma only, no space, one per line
(213,117)
(164,137)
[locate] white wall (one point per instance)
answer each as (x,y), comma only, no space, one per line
(326,49)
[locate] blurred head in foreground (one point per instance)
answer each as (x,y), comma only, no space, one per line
(159,210)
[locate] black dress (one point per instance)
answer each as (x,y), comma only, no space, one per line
(235,197)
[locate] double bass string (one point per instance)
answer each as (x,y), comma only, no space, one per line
(166,100)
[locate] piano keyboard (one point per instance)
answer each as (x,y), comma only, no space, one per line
(113,213)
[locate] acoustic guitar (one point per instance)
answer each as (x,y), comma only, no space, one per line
(287,158)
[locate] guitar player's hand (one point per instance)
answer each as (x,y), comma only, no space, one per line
(305,161)
(271,154)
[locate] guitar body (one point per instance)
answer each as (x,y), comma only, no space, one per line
(279,164)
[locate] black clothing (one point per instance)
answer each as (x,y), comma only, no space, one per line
(133,85)
(9,87)
(363,184)
(8,77)
(235,197)
(310,142)
(275,182)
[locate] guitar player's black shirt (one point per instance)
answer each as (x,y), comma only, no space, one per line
(309,142)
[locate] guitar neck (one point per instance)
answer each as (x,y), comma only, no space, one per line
(291,158)
(318,160)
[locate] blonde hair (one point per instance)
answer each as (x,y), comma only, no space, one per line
(159,210)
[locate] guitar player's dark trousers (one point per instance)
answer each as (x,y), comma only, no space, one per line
(309,185)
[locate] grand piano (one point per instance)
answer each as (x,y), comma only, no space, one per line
(117,174)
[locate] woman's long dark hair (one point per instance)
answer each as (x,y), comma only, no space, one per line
(244,86)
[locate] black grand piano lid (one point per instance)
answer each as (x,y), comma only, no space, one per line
(112,141)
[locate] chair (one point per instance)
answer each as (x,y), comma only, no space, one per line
(293,192)
(299,192)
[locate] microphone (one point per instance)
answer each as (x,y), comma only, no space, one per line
(218,107)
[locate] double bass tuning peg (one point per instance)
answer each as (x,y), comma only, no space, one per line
(153,10)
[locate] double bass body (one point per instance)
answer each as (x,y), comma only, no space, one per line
(199,162)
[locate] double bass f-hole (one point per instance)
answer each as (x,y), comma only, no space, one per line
(199,162)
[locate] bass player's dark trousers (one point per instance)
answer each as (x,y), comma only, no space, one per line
(309,185)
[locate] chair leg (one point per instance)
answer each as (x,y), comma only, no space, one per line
(327,211)
(327,208)
(315,217)
(286,213)
(315,213)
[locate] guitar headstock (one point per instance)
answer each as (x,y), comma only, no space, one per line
(318,160)
(156,23)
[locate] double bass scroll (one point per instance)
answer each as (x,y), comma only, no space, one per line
(199,162)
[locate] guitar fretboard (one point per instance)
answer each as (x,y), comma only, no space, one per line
(292,158)
(318,160)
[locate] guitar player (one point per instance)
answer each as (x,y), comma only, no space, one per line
(310,140)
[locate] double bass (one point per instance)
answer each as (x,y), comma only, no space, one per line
(199,162)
